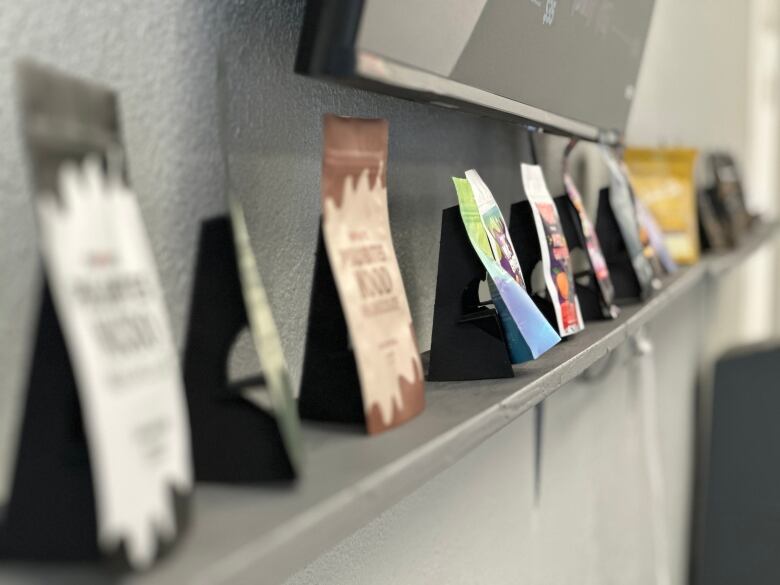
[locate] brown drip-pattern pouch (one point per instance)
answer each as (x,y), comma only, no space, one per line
(359,244)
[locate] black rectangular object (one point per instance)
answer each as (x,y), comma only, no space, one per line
(739,536)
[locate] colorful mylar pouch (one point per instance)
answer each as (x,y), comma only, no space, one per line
(663,181)
(556,266)
(527,331)
(592,245)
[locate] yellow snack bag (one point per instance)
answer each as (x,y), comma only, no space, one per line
(663,179)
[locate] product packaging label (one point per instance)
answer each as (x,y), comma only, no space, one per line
(663,181)
(593,246)
(356,229)
(528,333)
(622,203)
(649,228)
(558,274)
(495,227)
(110,304)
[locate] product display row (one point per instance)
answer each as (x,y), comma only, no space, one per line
(116,431)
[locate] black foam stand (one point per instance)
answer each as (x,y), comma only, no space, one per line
(621,269)
(330,386)
(233,441)
(51,514)
(467,341)
(586,284)
(522,232)
(51,511)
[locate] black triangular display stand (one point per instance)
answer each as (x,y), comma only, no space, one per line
(522,232)
(586,284)
(621,269)
(233,440)
(330,386)
(51,512)
(467,341)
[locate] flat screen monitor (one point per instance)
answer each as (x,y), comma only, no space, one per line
(568,66)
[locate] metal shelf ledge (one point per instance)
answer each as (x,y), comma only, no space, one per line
(265,534)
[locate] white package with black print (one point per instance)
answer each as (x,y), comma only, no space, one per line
(556,264)
(110,304)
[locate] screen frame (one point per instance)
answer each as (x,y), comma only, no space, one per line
(328,50)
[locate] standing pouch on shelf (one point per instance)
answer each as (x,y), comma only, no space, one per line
(663,182)
(730,196)
(559,289)
(649,229)
(617,218)
(528,332)
(712,233)
(103,466)
(650,235)
(580,232)
(362,363)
